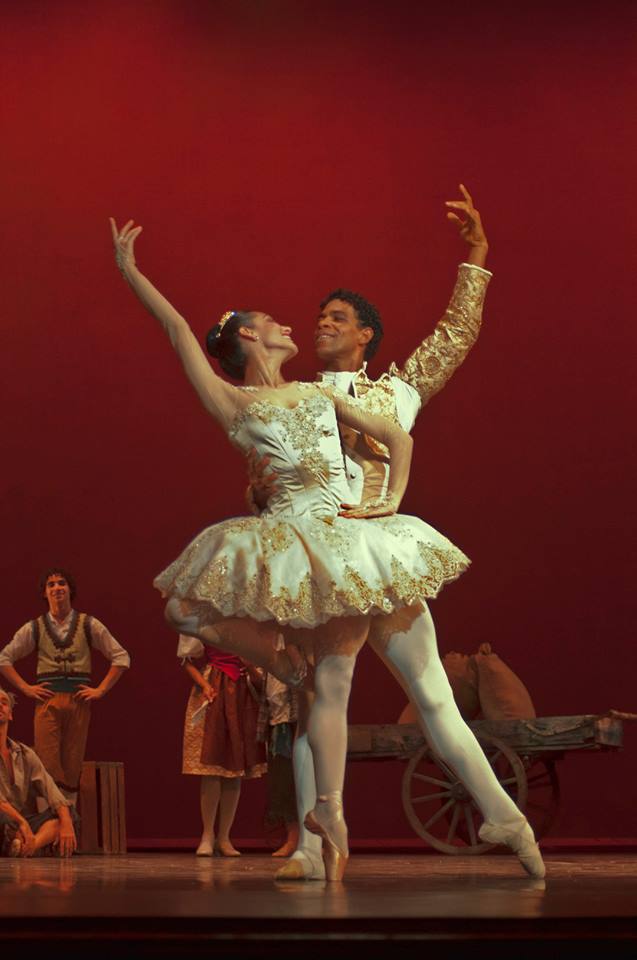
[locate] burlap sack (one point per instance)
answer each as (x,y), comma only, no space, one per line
(463,678)
(502,694)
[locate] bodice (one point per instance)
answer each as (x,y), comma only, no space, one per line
(304,448)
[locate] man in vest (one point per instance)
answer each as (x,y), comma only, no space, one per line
(63,639)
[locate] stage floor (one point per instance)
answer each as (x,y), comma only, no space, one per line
(178,904)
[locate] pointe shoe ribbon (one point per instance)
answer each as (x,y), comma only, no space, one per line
(518,836)
(327,821)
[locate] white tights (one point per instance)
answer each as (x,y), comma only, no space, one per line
(411,653)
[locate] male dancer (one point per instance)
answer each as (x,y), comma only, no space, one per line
(348,333)
(23,778)
(63,639)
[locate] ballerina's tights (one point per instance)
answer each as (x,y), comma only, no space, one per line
(412,654)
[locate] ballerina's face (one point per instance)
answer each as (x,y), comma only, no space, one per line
(273,335)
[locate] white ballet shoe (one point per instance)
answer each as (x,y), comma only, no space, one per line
(301,866)
(326,820)
(518,836)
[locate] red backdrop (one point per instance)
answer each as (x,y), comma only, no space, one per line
(273,151)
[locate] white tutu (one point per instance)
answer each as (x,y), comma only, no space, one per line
(304,570)
(300,563)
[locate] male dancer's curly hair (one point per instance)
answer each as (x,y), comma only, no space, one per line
(70,579)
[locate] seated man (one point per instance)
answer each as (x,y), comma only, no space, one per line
(23,778)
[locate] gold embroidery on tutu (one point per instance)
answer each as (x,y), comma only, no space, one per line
(298,423)
(213,595)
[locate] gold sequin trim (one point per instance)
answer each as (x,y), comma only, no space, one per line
(432,364)
(298,424)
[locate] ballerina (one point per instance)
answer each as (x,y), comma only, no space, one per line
(311,565)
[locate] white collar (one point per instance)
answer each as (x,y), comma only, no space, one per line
(59,624)
(341,378)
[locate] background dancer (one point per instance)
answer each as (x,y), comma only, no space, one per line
(220,737)
(63,639)
(25,832)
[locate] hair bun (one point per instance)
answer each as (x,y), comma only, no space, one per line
(213,340)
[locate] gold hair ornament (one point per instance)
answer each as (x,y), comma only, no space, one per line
(227,316)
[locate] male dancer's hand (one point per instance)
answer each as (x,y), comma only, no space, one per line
(25,833)
(67,841)
(262,482)
(37,691)
(471,229)
(88,693)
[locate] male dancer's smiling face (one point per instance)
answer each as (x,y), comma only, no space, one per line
(338,332)
(58,594)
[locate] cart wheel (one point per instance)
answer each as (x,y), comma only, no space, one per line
(543,801)
(439,808)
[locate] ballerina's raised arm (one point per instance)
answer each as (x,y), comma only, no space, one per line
(220,399)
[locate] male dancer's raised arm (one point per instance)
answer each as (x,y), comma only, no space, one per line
(432,364)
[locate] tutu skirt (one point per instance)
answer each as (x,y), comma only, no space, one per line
(304,570)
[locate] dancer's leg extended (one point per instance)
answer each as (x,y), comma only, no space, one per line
(407,641)
(412,652)
(253,640)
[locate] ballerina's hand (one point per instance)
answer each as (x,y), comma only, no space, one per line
(378,507)
(471,229)
(124,243)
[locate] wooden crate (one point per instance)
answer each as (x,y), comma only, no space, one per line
(102,807)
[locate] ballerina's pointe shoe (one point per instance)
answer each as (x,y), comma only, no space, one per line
(518,836)
(301,866)
(326,820)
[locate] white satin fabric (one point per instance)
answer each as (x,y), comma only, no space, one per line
(299,563)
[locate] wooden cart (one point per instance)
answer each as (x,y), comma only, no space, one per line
(523,754)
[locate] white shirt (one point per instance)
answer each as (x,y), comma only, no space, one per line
(408,405)
(101,639)
(425,371)
(31,780)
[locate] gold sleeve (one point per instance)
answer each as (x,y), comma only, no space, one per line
(437,358)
